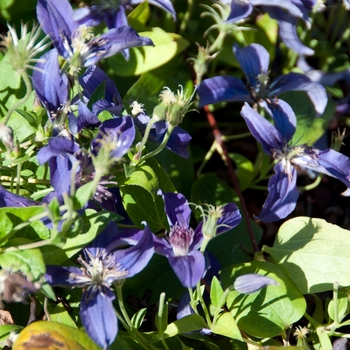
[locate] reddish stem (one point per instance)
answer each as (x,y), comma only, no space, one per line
(218,137)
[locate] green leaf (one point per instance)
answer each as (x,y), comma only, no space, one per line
(138,318)
(97,95)
(93,224)
(6,329)
(313,253)
(12,90)
(342,305)
(12,217)
(83,194)
(138,17)
(216,293)
(30,262)
(227,326)
(163,178)
(209,189)
(161,320)
(150,84)
(270,311)
(146,58)
(309,127)
(188,323)
(143,176)
(60,315)
(54,333)
(245,170)
(141,206)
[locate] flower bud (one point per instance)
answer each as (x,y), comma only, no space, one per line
(6,136)
(173,107)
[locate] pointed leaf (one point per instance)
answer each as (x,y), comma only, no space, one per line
(187,324)
(227,326)
(216,293)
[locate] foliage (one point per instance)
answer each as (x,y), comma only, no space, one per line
(138,142)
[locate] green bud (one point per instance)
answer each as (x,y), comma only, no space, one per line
(210,217)
(337,139)
(22,51)
(173,107)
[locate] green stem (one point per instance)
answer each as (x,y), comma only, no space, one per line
(222,302)
(311,186)
(236,137)
(24,99)
(146,134)
(127,321)
(161,146)
(164,344)
(78,87)
(19,168)
(206,158)
(122,307)
(335,302)
(194,307)
(203,304)
(218,43)
(186,17)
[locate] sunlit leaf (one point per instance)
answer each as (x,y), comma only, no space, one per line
(313,253)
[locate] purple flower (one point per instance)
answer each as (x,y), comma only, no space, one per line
(287,13)
(76,43)
(101,266)
(283,192)
(62,155)
(113,13)
(119,133)
(252,282)
(254,60)
(91,80)
(51,86)
(9,199)
(178,141)
(182,243)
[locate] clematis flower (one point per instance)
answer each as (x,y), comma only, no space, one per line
(102,265)
(65,156)
(182,243)
(114,12)
(283,192)
(254,60)
(94,77)
(91,80)
(61,154)
(9,199)
(178,141)
(76,43)
(287,13)
(51,86)
(252,282)
(118,133)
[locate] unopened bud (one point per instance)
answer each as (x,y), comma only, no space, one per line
(173,107)
(6,136)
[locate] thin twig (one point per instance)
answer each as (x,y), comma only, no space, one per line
(218,137)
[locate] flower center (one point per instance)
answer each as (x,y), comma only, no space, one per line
(260,91)
(98,271)
(180,239)
(297,155)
